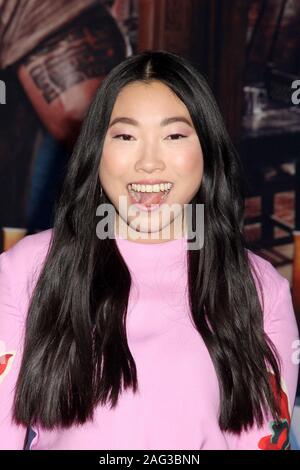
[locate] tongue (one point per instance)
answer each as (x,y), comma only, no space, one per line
(151,198)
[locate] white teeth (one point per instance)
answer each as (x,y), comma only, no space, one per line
(150,188)
(135,189)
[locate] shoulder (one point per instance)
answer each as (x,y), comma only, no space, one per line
(274,287)
(29,250)
(21,264)
(266,272)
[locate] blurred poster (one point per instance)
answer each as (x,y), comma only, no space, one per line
(53,56)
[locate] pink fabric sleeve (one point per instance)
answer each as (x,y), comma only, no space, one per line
(281,327)
(11,345)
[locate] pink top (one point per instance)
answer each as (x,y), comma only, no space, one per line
(178,399)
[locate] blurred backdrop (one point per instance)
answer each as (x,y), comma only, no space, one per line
(54,54)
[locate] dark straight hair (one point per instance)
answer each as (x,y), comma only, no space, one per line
(76,354)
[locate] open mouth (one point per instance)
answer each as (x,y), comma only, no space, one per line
(149,196)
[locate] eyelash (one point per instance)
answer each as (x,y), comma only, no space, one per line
(119,135)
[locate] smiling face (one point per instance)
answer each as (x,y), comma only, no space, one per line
(151,149)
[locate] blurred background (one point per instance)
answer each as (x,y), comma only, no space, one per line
(55,53)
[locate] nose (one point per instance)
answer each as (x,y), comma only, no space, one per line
(150,159)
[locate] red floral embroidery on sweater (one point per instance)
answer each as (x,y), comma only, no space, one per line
(279,439)
(5,363)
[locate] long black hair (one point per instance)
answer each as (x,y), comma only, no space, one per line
(76,353)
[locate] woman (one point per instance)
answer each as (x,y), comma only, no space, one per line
(136,341)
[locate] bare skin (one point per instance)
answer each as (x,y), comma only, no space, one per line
(148,151)
(62,75)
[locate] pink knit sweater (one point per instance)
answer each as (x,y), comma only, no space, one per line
(178,400)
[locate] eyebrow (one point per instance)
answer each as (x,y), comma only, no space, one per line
(163,123)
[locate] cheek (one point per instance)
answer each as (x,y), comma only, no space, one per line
(190,163)
(113,163)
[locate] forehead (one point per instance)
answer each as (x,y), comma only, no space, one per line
(154,95)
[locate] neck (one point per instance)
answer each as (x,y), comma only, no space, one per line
(171,232)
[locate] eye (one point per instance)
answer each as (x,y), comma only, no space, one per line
(121,135)
(172,135)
